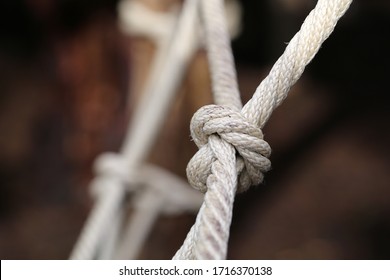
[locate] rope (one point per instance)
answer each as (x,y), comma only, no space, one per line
(138,20)
(302,48)
(108,189)
(116,172)
(221,131)
(162,193)
(207,238)
(222,69)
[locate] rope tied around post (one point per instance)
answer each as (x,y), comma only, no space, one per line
(247,139)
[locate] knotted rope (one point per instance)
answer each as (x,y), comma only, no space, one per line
(232,127)
(122,173)
(221,131)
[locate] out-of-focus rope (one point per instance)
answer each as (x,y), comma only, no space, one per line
(116,173)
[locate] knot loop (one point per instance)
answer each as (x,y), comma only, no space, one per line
(112,170)
(231,126)
(112,164)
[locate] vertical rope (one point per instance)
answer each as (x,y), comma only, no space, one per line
(209,236)
(222,69)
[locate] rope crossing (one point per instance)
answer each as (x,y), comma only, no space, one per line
(232,153)
(221,131)
(231,126)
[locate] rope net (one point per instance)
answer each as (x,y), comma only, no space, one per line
(232,153)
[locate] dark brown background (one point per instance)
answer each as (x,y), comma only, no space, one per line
(65,69)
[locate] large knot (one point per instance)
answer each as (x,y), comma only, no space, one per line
(234,128)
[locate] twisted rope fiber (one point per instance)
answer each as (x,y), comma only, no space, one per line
(223,72)
(211,228)
(221,131)
(302,48)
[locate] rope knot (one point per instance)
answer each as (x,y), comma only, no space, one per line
(232,127)
(111,169)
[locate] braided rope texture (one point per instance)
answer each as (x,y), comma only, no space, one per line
(232,127)
(232,153)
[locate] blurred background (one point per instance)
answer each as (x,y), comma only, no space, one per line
(65,72)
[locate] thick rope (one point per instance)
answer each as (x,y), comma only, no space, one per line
(316,28)
(220,131)
(222,68)
(208,241)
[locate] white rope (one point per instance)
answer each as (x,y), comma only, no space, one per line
(108,189)
(221,131)
(138,20)
(117,172)
(162,193)
(302,48)
(207,242)
(222,69)
(111,236)
(156,101)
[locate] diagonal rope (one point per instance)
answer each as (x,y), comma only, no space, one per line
(316,28)
(221,132)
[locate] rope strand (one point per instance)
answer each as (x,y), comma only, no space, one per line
(302,48)
(221,131)
(222,68)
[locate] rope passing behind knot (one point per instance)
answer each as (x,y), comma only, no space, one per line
(252,151)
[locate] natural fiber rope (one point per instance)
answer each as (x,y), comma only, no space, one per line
(221,131)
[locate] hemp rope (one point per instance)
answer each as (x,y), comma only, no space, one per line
(220,131)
